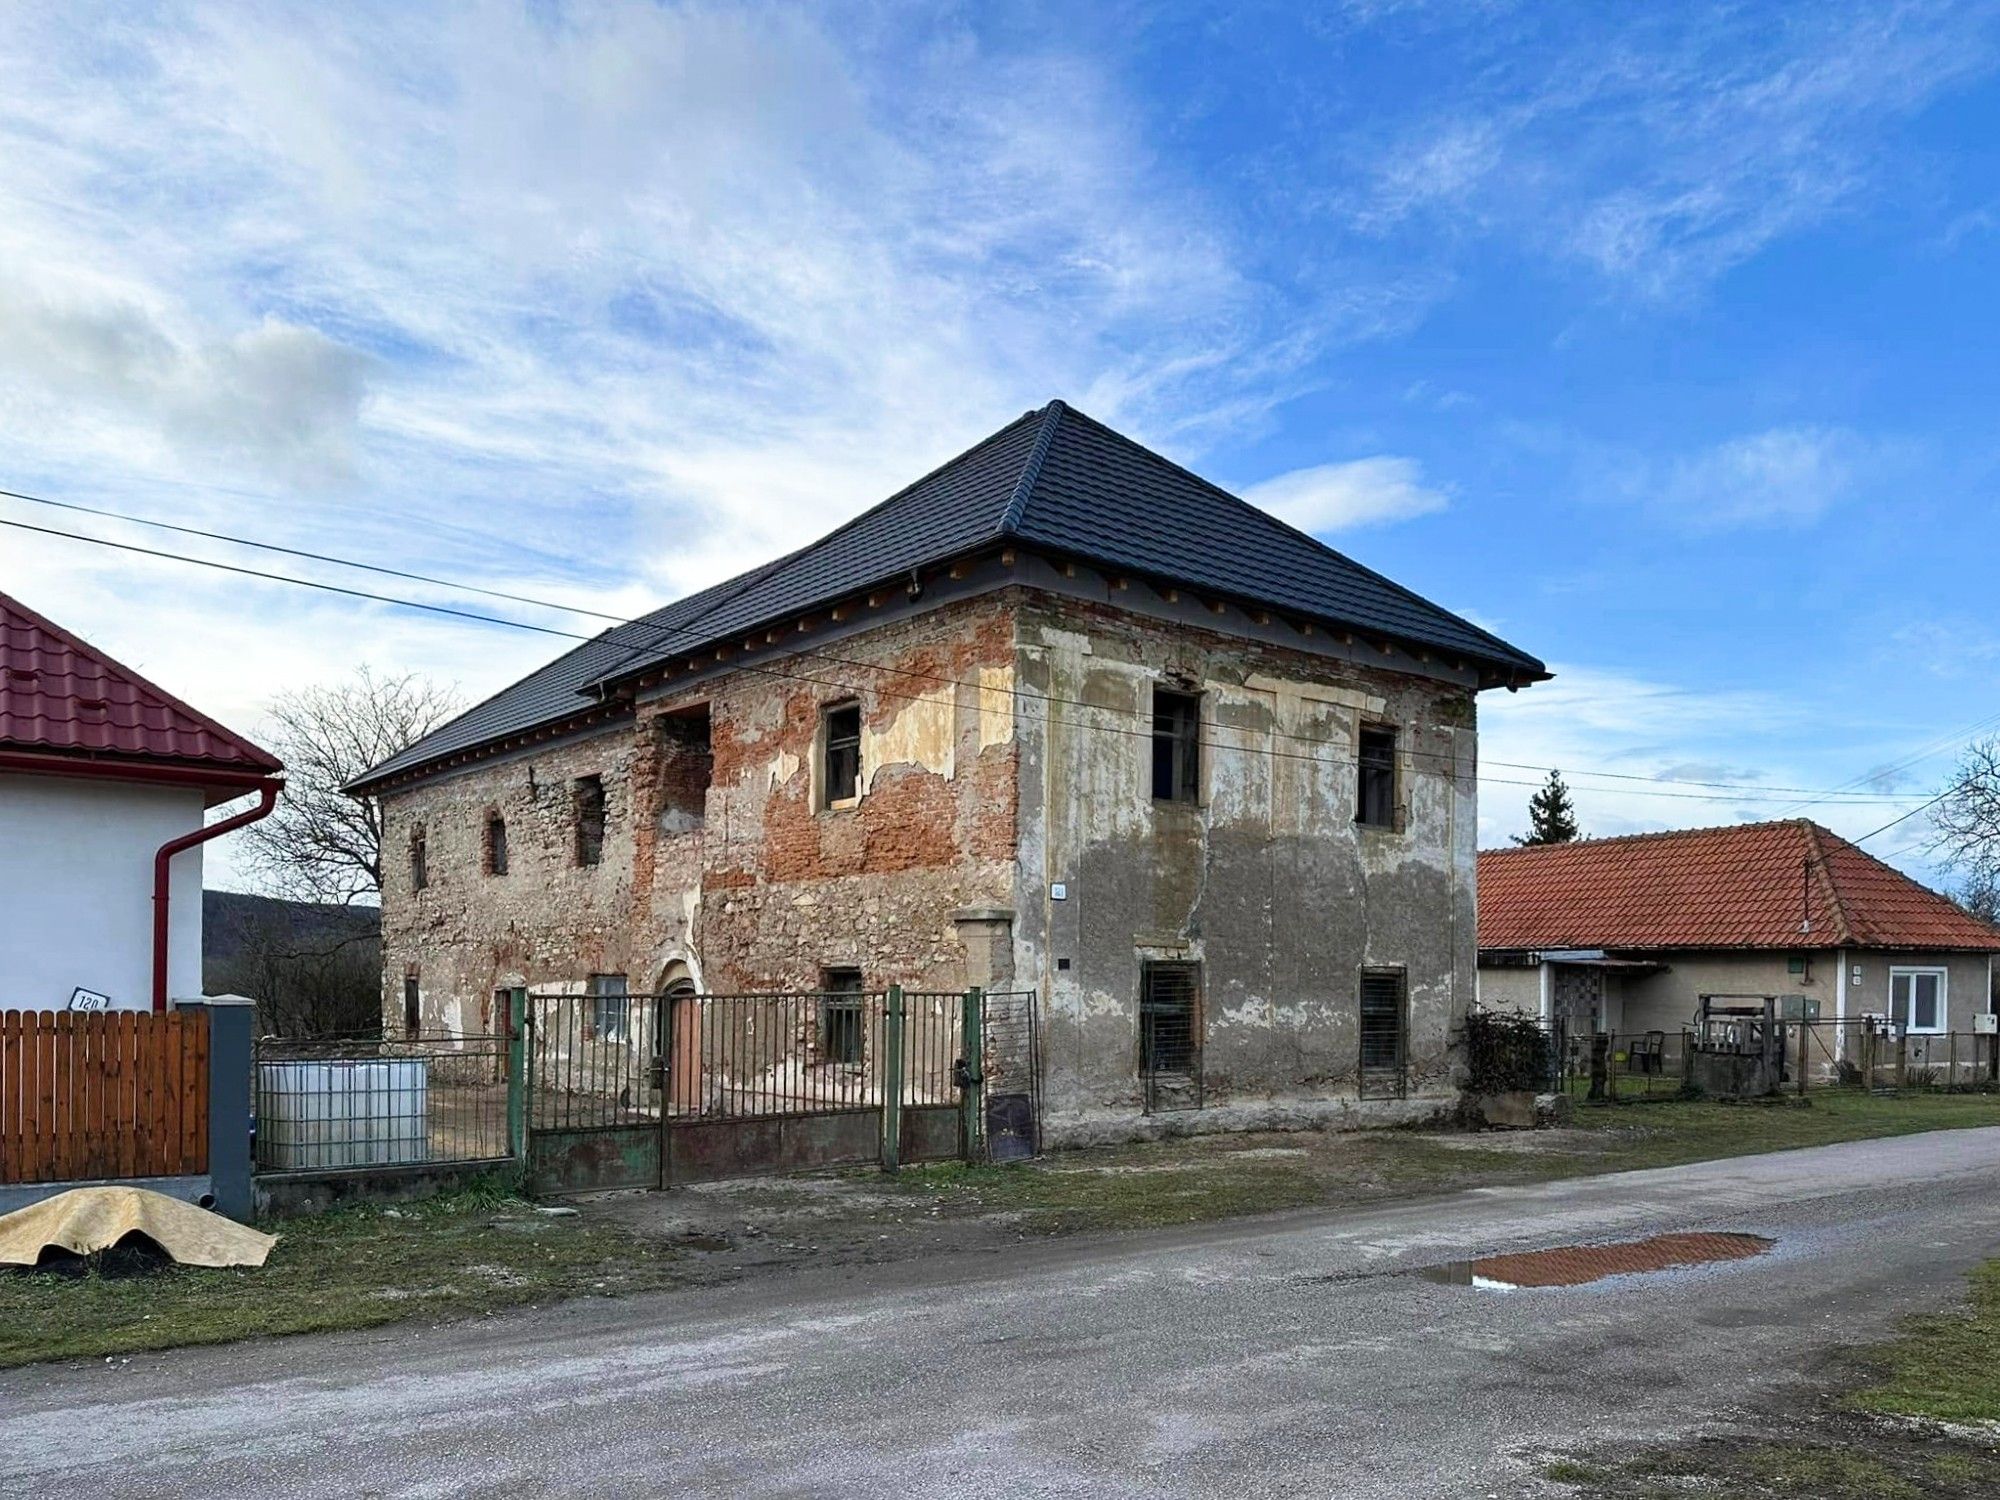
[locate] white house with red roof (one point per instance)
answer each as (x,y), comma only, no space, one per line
(105,782)
(1626,934)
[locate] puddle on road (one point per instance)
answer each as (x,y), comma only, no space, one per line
(1577,1265)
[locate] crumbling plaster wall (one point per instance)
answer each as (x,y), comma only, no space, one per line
(765,886)
(1267,881)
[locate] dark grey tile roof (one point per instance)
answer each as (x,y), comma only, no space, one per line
(1054,478)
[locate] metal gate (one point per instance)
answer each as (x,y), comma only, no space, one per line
(1011,1070)
(659,1090)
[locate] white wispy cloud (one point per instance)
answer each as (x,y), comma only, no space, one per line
(1340,496)
(1662,152)
(1785,476)
(1656,735)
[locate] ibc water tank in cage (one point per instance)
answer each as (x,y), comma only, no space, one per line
(344,1112)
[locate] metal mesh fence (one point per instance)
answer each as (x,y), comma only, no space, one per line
(334,1103)
(1862,1054)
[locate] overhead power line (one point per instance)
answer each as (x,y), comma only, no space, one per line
(1651,788)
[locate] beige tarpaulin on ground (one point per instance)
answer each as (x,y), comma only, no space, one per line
(96,1218)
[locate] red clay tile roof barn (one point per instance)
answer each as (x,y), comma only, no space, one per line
(66,707)
(1053,479)
(1754,885)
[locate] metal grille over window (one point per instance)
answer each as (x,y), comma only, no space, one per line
(1170,1036)
(1376,784)
(589,819)
(1383,1034)
(1176,746)
(840,1017)
(843,753)
(610,1007)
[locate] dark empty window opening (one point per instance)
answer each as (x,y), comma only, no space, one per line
(686,766)
(413,1006)
(1176,746)
(1375,803)
(589,819)
(840,1016)
(1169,1018)
(843,753)
(610,1007)
(420,865)
(496,844)
(1383,1012)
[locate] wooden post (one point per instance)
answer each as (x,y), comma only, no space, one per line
(1951,1065)
(1805,1052)
(892,1079)
(1902,1059)
(1600,1065)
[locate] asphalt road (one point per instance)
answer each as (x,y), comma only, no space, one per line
(1290,1356)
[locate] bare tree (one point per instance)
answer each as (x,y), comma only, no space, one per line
(321,844)
(1967,822)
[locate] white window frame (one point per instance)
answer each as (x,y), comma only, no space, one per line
(1911,972)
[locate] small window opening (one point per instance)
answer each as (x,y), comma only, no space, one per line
(843,753)
(1375,803)
(686,767)
(420,866)
(589,819)
(840,1016)
(413,1005)
(1169,1018)
(1383,1014)
(1176,746)
(610,1007)
(496,844)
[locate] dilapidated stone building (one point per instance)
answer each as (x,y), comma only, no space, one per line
(1059,716)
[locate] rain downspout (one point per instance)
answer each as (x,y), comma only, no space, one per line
(267,798)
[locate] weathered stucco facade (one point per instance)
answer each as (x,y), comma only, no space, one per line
(1003,832)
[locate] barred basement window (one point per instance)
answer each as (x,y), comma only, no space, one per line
(1169,1018)
(420,868)
(1383,1012)
(842,774)
(1176,746)
(840,1023)
(589,819)
(496,844)
(1375,786)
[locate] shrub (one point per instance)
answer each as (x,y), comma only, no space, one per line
(1505,1052)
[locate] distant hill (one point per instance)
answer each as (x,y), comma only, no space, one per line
(314,969)
(235,923)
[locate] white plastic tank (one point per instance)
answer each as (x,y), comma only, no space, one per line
(372,1112)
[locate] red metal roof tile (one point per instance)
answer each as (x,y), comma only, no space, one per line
(1788,885)
(61,696)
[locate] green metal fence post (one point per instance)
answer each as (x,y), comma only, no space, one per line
(892,1079)
(972,1088)
(517,1073)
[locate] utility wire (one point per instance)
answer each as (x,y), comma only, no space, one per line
(1763,790)
(1749,793)
(622,621)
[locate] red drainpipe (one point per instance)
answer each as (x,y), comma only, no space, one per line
(267,798)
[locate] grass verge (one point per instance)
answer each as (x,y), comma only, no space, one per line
(1190,1180)
(1919,1418)
(453,1256)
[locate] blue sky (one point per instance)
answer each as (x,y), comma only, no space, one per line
(1659,339)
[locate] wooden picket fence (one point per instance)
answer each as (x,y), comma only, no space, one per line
(87,1096)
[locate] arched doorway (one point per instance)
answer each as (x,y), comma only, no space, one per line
(680,1025)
